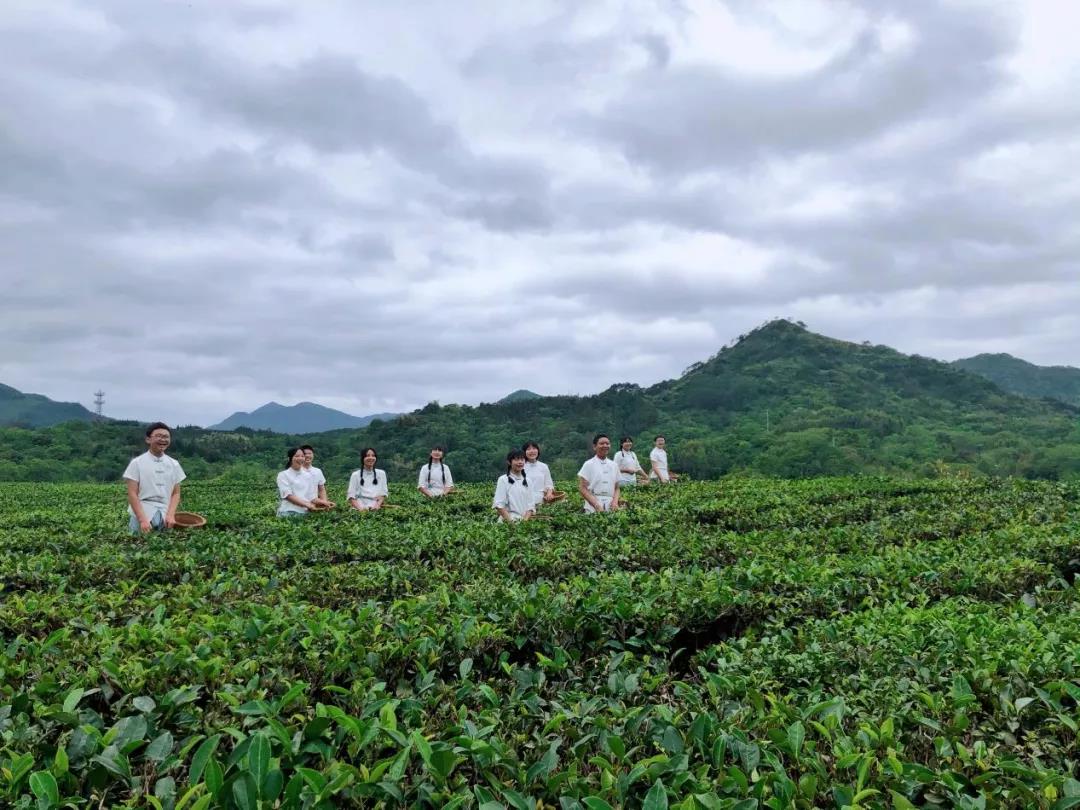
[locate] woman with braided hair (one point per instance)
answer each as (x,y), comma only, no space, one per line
(435,479)
(513,499)
(367,486)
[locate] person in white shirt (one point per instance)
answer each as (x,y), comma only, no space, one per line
(435,479)
(296,486)
(658,457)
(153,483)
(540,483)
(320,498)
(598,478)
(630,470)
(513,499)
(367,486)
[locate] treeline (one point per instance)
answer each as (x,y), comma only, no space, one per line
(781,402)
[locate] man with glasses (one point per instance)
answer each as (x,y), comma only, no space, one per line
(153,483)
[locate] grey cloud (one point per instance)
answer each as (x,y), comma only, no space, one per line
(696,117)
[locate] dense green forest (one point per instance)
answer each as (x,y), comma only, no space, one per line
(1024,378)
(781,401)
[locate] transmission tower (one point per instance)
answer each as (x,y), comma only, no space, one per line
(99,402)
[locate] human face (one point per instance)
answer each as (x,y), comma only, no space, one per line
(309,456)
(369,459)
(159,441)
(532,453)
(517,464)
(436,454)
(603,447)
(660,442)
(297,460)
(627,445)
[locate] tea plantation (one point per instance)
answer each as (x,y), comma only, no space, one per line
(739,644)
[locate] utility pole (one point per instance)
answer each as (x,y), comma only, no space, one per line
(99,403)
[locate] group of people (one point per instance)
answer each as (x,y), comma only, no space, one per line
(153,480)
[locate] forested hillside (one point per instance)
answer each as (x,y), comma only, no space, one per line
(1021,377)
(781,401)
(34,410)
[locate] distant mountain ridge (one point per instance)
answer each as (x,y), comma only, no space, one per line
(301,418)
(780,401)
(1027,379)
(36,410)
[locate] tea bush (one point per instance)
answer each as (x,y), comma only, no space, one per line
(738,644)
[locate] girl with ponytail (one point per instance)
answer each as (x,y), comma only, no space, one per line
(435,479)
(513,499)
(367,486)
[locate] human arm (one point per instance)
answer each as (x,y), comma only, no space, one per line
(285,490)
(583,489)
(352,494)
(658,463)
(136,505)
(501,502)
(547,484)
(420,481)
(170,512)
(615,496)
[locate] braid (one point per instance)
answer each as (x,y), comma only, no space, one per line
(524,478)
(430,461)
(509,480)
(442,472)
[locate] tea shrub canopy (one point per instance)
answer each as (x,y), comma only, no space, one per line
(736,644)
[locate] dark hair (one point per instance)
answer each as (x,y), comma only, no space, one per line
(291,452)
(660,436)
(529,444)
(375,473)
(510,457)
(157,426)
(600,436)
(626,439)
(307,447)
(442,467)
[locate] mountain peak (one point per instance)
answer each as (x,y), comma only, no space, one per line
(521,395)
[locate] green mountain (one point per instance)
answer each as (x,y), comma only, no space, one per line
(1021,377)
(520,395)
(781,401)
(304,417)
(35,410)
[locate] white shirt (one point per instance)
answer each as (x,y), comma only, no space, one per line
(512,495)
(601,476)
(539,477)
(362,485)
(627,458)
(316,473)
(659,459)
(295,482)
(437,485)
(156,476)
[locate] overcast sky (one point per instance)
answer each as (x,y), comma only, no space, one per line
(205,206)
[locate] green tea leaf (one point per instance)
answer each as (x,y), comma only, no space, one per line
(43,784)
(656,798)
